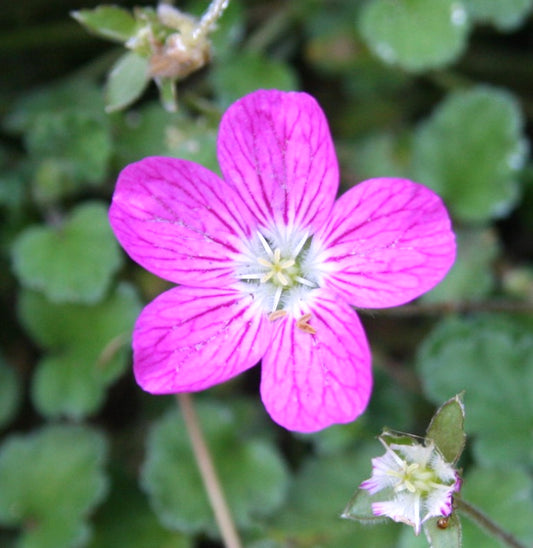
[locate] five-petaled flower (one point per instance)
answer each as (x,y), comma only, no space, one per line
(417,483)
(269,264)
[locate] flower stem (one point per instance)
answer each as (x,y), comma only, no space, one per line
(486,523)
(209,476)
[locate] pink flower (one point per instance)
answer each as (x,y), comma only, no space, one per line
(270,265)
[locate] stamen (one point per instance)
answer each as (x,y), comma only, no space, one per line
(277,297)
(300,245)
(303,281)
(276,315)
(303,324)
(265,245)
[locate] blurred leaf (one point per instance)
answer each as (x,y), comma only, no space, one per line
(110,22)
(510,505)
(152,131)
(247,71)
(73,262)
(88,349)
(126,520)
(415,34)
(504,16)
(469,152)
(79,144)
(471,277)
(378,155)
(447,429)
(252,472)
(9,393)
(78,95)
(491,359)
(51,480)
(126,82)
(312,513)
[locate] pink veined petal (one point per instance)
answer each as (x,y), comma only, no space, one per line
(387,242)
(311,381)
(179,220)
(189,339)
(276,149)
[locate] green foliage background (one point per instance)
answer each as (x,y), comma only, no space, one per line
(435,90)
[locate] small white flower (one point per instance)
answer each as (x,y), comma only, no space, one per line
(419,483)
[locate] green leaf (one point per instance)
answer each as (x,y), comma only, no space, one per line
(152,131)
(505,16)
(126,82)
(252,473)
(109,22)
(87,349)
(447,429)
(451,536)
(503,494)
(311,515)
(471,277)
(9,393)
(415,34)
(78,95)
(72,262)
(470,151)
(491,359)
(126,520)
(247,71)
(50,499)
(78,143)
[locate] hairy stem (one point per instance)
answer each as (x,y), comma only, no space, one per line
(209,476)
(486,523)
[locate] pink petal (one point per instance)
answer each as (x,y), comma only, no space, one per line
(276,149)
(387,242)
(178,220)
(189,339)
(311,381)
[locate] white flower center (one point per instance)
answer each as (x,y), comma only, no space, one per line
(279,267)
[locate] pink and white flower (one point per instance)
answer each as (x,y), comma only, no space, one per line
(417,483)
(269,264)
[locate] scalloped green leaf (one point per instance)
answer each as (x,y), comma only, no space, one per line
(79,143)
(50,499)
(472,275)
(111,22)
(251,471)
(10,393)
(71,262)
(415,34)
(470,151)
(127,81)
(447,429)
(88,347)
(126,520)
(310,516)
(491,359)
(505,16)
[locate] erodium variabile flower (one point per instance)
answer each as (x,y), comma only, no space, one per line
(415,481)
(269,264)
